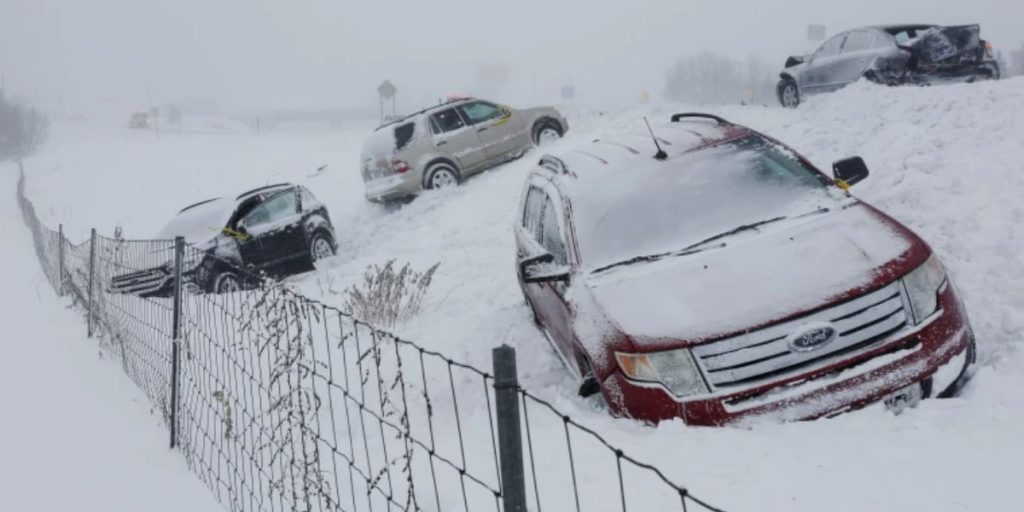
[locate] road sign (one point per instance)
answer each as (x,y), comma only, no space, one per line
(387,90)
(816,32)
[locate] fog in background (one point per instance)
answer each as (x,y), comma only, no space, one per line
(114,56)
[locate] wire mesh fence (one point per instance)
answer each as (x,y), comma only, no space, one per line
(282,403)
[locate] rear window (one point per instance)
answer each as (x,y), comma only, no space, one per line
(403,134)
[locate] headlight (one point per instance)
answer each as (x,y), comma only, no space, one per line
(674,369)
(923,285)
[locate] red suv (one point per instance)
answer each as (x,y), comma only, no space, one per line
(707,272)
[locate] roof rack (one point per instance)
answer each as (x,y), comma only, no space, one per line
(261,189)
(681,115)
(554,164)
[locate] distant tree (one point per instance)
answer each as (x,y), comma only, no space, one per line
(22,129)
(711,78)
(1016,67)
(174,115)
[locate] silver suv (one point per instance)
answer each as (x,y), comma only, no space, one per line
(442,145)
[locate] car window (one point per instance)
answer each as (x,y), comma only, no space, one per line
(480,111)
(532,210)
(446,121)
(277,208)
(859,41)
(403,134)
(831,47)
(550,234)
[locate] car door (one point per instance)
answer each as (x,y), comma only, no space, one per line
(542,231)
(818,76)
(858,53)
(274,233)
(453,137)
(501,129)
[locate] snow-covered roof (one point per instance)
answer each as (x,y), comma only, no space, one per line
(621,152)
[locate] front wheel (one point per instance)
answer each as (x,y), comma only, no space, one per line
(546,133)
(789,95)
(227,282)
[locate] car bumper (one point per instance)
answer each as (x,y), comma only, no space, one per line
(934,352)
(393,187)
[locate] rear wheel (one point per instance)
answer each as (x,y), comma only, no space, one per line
(442,176)
(789,95)
(320,247)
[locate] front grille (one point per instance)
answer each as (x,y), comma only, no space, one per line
(860,325)
(139,283)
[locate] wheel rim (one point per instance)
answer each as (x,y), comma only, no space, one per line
(789,97)
(229,284)
(442,178)
(548,135)
(322,249)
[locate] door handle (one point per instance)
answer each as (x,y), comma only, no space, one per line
(441,143)
(484,129)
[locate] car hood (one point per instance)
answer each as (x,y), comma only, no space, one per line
(756,279)
(201,223)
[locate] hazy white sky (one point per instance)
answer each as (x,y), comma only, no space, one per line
(86,55)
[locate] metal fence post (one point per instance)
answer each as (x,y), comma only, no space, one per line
(92,275)
(60,260)
(179,253)
(510,439)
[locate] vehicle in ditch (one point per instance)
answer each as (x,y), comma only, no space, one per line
(727,279)
(442,145)
(275,231)
(891,55)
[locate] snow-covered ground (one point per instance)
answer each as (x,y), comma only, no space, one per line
(946,161)
(75,433)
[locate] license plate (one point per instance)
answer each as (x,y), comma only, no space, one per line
(905,398)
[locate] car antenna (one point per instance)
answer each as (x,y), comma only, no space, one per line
(661,154)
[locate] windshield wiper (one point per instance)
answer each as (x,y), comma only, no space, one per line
(692,248)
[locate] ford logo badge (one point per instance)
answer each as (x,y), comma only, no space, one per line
(811,338)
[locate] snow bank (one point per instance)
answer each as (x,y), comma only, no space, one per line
(76,434)
(946,161)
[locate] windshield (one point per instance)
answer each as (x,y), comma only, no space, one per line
(663,208)
(200,222)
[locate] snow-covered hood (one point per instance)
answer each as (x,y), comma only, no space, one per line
(756,279)
(201,223)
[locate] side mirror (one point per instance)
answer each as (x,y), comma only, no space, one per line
(849,171)
(506,110)
(542,269)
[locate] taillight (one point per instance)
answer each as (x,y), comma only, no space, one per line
(399,166)
(988,50)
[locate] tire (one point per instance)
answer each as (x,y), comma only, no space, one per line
(441,175)
(789,94)
(321,246)
(958,384)
(546,132)
(227,282)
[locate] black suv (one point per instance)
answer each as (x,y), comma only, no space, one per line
(279,230)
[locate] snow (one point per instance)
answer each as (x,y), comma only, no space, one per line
(76,432)
(791,265)
(199,223)
(946,161)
